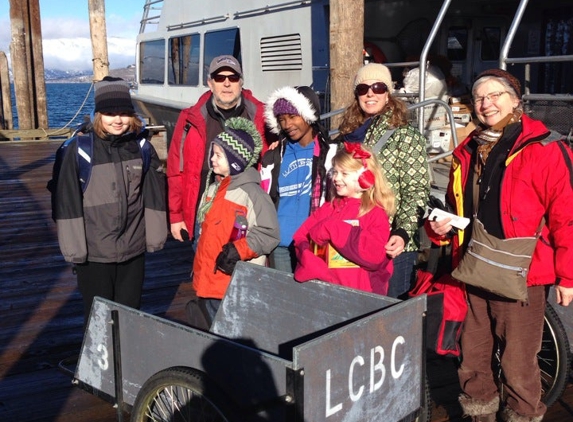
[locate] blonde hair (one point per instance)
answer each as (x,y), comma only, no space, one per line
(135,125)
(380,194)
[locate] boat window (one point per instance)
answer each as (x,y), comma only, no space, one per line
(457,43)
(218,43)
(152,62)
(184,55)
(490,43)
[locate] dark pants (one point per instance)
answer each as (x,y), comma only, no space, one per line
(283,259)
(403,276)
(201,311)
(121,282)
(518,329)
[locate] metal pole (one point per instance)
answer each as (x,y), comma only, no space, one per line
(511,34)
(423,58)
(117,373)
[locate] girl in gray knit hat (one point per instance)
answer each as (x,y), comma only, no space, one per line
(109,199)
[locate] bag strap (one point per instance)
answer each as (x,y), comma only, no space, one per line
(84,157)
(383,139)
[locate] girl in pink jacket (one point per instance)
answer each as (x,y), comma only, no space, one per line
(343,241)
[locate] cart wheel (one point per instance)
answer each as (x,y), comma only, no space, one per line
(180,395)
(554,358)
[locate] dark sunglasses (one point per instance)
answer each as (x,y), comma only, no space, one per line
(377,88)
(234,78)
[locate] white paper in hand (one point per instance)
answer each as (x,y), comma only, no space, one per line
(457,221)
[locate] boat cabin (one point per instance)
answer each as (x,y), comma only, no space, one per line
(283,42)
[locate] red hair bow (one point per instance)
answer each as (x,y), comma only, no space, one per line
(356,150)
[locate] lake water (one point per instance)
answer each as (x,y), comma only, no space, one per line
(67,103)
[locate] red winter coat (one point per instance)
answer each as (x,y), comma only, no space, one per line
(362,244)
(537,182)
(184,172)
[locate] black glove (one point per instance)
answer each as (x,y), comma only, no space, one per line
(227,259)
(434,202)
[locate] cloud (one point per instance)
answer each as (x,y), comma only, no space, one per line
(66,42)
(75,54)
(54,28)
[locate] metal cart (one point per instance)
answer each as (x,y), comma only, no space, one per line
(278,350)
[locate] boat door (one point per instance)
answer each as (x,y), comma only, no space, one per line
(473,45)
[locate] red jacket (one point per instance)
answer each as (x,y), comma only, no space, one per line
(361,243)
(184,170)
(537,182)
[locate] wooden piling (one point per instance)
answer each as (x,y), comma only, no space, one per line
(18,11)
(99,39)
(6,119)
(40,95)
(27,64)
(346,45)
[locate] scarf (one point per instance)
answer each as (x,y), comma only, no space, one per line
(205,201)
(358,134)
(487,138)
(380,124)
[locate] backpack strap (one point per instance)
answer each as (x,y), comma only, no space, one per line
(383,139)
(84,157)
(566,151)
(145,147)
(185,132)
(565,148)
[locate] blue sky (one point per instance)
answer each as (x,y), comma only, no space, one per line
(65,31)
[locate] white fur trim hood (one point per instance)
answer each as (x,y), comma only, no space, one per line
(298,100)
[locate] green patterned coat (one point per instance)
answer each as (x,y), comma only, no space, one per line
(405,164)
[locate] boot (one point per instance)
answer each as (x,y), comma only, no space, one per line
(508,415)
(480,411)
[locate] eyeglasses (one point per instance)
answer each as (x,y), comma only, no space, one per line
(233,78)
(492,97)
(377,88)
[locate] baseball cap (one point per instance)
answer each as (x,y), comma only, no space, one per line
(225,61)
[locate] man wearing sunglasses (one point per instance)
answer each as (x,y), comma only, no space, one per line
(197,126)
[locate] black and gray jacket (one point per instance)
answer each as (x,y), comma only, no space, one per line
(122,212)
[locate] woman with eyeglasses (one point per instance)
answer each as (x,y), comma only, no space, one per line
(379,120)
(513,178)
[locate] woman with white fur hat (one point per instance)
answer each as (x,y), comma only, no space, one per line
(295,172)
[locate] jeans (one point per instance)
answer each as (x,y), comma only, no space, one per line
(212,306)
(403,276)
(283,259)
(517,328)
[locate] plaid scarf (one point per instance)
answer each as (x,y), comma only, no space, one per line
(487,137)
